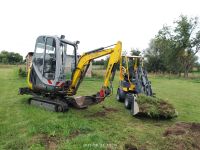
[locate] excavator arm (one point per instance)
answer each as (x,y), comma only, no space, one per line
(84,62)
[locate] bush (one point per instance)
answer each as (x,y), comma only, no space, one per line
(22,72)
(97,75)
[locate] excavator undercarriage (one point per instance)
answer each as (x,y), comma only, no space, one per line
(59,103)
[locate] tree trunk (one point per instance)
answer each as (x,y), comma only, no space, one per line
(179,74)
(186,74)
(186,71)
(186,67)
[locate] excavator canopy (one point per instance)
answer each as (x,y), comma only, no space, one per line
(49,61)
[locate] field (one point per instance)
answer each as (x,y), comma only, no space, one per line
(107,125)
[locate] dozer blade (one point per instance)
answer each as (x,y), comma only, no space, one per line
(84,101)
(136,108)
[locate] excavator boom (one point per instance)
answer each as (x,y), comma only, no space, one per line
(84,62)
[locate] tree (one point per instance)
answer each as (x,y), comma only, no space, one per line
(175,48)
(10,58)
(124,53)
(135,52)
(187,40)
(164,43)
(155,61)
(98,62)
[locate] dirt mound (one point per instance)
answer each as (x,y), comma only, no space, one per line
(50,142)
(195,127)
(74,134)
(182,128)
(104,112)
(155,108)
(183,136)
(175,131)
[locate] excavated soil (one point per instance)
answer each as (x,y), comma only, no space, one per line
(130,147)
(50,142)
(74,134)
(183,136)
(104,112)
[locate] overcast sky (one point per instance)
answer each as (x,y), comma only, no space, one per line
(94,23)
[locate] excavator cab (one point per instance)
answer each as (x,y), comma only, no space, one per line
(48,72)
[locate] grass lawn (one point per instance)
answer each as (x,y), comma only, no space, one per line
(104,126)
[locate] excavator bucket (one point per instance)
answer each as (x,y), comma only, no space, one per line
(84,101)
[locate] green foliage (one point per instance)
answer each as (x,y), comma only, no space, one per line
(22,72)
(197,65)
(106,62)
(155,62)
(10,58)
(135,52)
(98,62)
(97,75)
(173,49)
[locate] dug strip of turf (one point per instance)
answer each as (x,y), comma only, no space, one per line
(183,135)
(50,142)
(155,108)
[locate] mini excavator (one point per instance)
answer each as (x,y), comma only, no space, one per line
(133,81)
(47,78)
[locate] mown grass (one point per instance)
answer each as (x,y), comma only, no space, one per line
(28,127)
